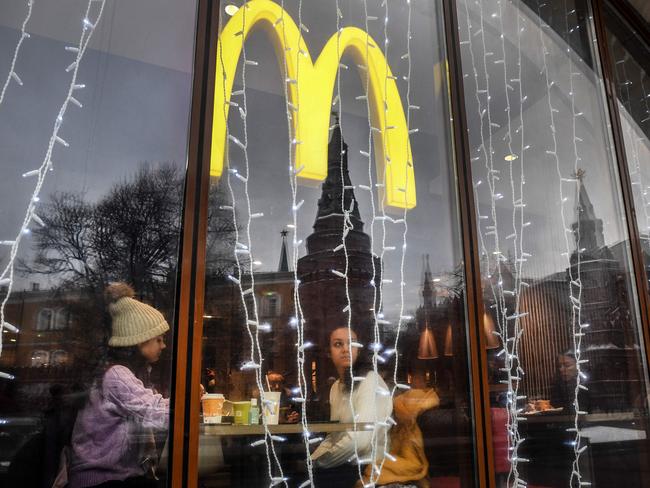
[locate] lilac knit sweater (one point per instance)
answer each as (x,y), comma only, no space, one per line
(105,435)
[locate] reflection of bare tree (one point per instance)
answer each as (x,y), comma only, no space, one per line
(131,234)
(220,236)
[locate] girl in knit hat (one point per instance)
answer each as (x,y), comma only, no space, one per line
(112,440)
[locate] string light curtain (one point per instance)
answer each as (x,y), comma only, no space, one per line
(90,19)
(504,293)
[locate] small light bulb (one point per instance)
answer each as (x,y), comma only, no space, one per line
(231,9)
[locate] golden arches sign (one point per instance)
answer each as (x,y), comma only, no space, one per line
(310,95)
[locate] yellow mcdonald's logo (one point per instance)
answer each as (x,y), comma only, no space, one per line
(310,94)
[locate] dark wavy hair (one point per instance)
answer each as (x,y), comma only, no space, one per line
(361,367)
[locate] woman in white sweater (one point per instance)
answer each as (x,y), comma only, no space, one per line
(336,459)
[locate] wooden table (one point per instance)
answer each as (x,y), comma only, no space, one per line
(253,430)
(222,445)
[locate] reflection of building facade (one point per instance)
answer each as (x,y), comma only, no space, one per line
(44,340)
(609,340)
(48,346)
(226,343)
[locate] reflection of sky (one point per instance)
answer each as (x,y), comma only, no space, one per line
(637,149)
(133,112)
(545,237)
(432,225)
(138,112)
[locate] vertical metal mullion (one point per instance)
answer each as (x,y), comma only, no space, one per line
(184,428)
(484,454)
(641,279)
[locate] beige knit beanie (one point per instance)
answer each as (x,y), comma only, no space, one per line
(133,322)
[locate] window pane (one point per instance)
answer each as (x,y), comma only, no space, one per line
(630,57)
(567,378)
(290,302)
(109,211)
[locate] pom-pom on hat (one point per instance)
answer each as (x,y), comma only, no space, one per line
(133,322)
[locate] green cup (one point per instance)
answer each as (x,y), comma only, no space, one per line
(241,412)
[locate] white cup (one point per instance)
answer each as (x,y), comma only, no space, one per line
(271,407)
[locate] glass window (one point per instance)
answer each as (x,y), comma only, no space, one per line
(629,55)
(44,320)
(568,383)
(108,211)
(62,319)
(334,325)
(59,358)
(270,304)
(40,358)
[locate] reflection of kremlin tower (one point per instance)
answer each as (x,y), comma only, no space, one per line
(323,293)
(609,341)
(605,307)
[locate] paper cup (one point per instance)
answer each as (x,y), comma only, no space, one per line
(271,407)
(212,404)
(241,412)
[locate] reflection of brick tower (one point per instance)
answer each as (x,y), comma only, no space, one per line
(322,293)
(607,342)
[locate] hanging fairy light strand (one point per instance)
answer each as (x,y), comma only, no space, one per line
(518,225)
(403,221)
(509,328)
(577,325)
(378,294)
(12,75)
(575,283)
(301,394)
(40,173)
(243,251)
(346,227)
(376,470)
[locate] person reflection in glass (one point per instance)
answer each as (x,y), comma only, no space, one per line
(564,387)
(334,459)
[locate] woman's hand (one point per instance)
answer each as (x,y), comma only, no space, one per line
(293,417)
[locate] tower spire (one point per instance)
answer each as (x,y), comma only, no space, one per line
(338,182)
(284,260)
(587,228)
(428,290)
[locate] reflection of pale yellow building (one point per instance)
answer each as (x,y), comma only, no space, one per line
(45,327)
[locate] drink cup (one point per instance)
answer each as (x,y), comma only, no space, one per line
(241,411)
(271,407)
(212,404)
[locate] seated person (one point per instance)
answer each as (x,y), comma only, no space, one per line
(406,442)
(113,441)
(564,387)
(334,459)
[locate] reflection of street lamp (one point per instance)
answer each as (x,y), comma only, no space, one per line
(427,347)
(491,340)
(449,345)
